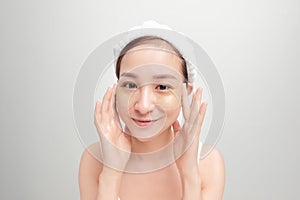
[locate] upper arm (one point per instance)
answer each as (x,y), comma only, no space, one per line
(89,171)
(212,172)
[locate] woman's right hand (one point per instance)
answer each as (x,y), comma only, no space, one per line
(115,144)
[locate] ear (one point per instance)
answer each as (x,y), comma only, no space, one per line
(190,88)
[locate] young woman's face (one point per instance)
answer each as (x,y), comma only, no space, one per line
(149,89)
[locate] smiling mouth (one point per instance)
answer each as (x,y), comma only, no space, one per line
(144,123)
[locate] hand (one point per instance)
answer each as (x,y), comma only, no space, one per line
(115,144)
(187,137)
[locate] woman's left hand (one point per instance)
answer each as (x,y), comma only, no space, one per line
(187,137)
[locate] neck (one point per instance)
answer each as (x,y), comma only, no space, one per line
(152,144)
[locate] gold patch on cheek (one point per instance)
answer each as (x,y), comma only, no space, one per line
(168,100)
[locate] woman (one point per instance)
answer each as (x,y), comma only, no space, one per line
(153,85)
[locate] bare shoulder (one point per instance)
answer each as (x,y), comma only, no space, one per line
(212,170)
(90,159)
(89,170)
(213,158)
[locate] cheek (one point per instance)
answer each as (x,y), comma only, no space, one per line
(172,116)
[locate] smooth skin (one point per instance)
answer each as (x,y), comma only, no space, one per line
(185,179)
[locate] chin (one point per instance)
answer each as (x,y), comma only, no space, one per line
(153,137)
(148,138)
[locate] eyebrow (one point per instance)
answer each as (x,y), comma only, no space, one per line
(164,76)
(160,76)
(128,74)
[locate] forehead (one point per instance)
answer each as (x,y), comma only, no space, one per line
(152,73)
(139,56)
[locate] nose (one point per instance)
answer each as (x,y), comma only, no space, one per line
(145,100)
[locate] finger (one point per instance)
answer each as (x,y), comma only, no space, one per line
(199,120)
(195,105)
(199,97)
(112,100)
(105,102)
(98,118)
(114,108)
(176,127)
(185,103)
(202,113)
(97,111)
(194,133)
(201,109)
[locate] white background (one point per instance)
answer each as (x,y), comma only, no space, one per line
(254,44)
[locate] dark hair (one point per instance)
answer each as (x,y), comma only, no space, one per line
(150,40)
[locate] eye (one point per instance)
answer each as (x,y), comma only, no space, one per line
(130,85)
(162,87)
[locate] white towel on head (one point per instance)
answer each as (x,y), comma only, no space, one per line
(179,40)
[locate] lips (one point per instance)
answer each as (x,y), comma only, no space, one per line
(143,122)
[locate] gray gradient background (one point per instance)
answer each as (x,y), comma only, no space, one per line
(254,44)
